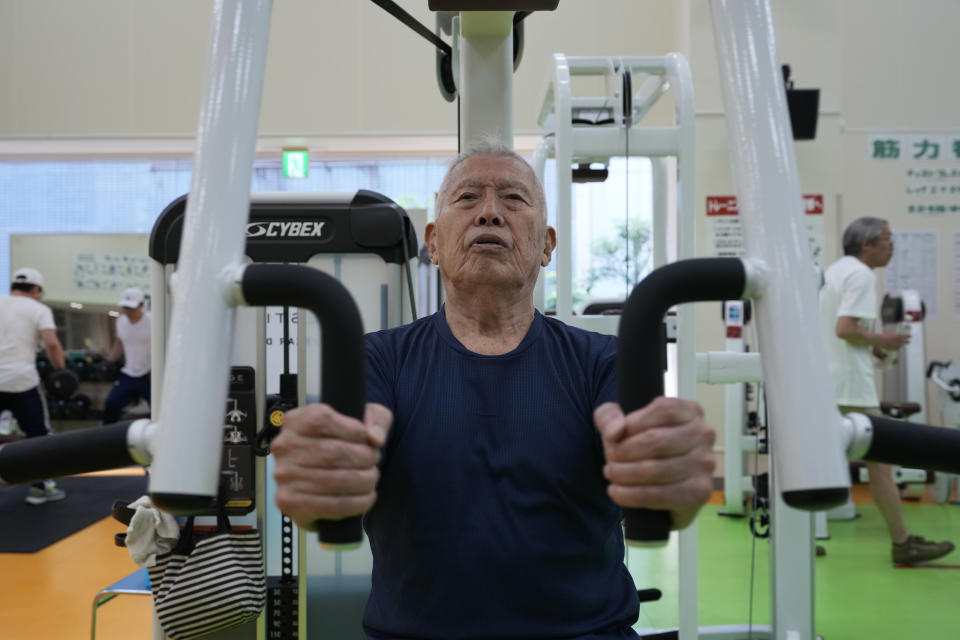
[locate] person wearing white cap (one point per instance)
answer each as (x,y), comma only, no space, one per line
(133,345)
(27,323)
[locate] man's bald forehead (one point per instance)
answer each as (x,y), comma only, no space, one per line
(526,180)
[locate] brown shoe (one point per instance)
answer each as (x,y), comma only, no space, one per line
(916,549)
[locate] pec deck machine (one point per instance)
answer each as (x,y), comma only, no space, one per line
(221,255)
(362,240)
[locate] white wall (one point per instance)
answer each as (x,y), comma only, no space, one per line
(120,68)
(84,268)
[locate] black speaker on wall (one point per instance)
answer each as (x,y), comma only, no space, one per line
(803,105)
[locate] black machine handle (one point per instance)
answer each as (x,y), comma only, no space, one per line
(914,445)
(343,365)
(64,454)
(641,348)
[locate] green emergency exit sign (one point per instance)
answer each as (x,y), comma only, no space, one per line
(296,163)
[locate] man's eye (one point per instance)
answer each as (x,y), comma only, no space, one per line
(466,196)
(516,196)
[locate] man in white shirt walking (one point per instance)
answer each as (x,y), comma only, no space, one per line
(26,324)
(133,345)
(848,311)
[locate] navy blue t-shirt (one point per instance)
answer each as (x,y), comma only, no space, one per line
(492,518)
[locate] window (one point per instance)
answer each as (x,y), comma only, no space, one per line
(611,225)
(126,196)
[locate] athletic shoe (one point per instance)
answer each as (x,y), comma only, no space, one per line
(49,493)
(916,549)
(6,423)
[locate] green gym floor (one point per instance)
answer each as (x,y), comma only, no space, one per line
(859,594)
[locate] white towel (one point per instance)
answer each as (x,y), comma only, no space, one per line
(151,531)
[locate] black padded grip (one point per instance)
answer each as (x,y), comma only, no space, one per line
(913,445)
(343,368)
(64,454)
(640,348)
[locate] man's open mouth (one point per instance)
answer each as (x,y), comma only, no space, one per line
(488,241)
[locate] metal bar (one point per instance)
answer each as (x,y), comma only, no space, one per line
(809,455)
(809,467)
(486,76)
(607,141)
(185,470)
(564,158)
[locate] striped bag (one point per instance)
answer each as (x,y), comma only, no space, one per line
(209,581)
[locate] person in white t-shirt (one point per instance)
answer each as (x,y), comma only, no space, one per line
(133,345)
(848,311)
(27,323)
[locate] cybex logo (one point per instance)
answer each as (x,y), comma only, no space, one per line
(285,229)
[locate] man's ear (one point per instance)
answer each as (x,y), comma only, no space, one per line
(550,243)
(430,237)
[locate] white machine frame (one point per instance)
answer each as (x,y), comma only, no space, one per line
(569,144)
(946,376)
(736,484)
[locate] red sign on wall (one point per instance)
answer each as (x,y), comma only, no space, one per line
(727,205)
(813,204)
(722,206)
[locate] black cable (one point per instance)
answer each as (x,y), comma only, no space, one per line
(286,339)
(591,122)
(400,14)
(753,550)
(755,503)
(626,209)
(627,102)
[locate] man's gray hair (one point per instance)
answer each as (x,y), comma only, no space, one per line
(492,146)
(861,230)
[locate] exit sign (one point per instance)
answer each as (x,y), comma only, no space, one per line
(296,163)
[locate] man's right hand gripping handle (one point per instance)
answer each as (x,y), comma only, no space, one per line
(325,467)
(659,456)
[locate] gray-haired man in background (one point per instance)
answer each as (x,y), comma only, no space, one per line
(848,312)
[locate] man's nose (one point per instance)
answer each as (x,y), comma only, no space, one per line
(489,212)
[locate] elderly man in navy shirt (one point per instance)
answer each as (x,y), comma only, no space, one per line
(493,460)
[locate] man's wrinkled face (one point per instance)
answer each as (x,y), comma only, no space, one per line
(879,252)
(491,225)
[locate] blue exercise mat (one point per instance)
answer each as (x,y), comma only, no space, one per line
(26,528)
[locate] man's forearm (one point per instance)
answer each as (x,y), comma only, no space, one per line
(116,352)
(861,338)
(850,330)
(56,355)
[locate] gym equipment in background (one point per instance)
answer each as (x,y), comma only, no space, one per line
(903,388)
(590,129)
(743,431)
(946,376)
(362,240)
(62,383)
(904,370)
